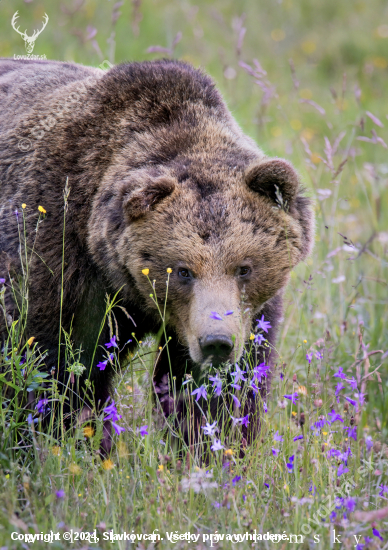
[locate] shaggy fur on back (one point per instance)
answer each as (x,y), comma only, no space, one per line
(159,176)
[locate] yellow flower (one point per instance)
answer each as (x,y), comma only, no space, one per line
(325,433)
(169,270)
(74,469)
(160,348)
(305,341)
(160,468)
(293,413)
(228,452)
(24,205)
(108,464)
(130,389)
(145,271)
(88,431)
(56,451)
(30,340)
(252,337)
(41,209)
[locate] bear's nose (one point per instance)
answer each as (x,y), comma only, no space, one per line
(218,346)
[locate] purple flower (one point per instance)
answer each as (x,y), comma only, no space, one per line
(263,325)
(2,281)
(112,343)
(360,397)
(118,429)
(350,504)
(236,401)
(216,504)
(254,388)
(290,463)
(238,374)
(277,437)
(259,338)
(29,418)
(210,429)
(352,432)
(352,382)
(377,533)
(333,515)
(318,355)
(342,470)
(41,405)
(245,420)
(309,357)
(338,388)
(293,397)
(383,489)
(229,312)
(334,452)
(265,407)
(368,442)
(216,316)
(60,493)
(236,386)
(236,479)
(281,376)
(200,392)
(266,484)
(217,384)
(111,412)
(102,364)
(16,212)
(333,417)
(298,437)
(312,489)
(143,430)
(275,452)
(217,445)
(260,371)
(351,401)
(340,374)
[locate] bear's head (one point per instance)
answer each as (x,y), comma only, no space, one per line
(190,192)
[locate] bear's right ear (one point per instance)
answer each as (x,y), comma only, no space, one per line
(275,179)
(145,199)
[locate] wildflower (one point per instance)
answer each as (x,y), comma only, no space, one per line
(169,270)
(254,388)
(143,430)
(260,371)
(236,386)
(41,210)
(74,469)
(88,431)
(309,357)
(216,316)
(340,374)
(383,489)
(210,429)
(60,493)
(277,437)
(238,374)
(334,452)
(118,429)
(217,384)
(338,388)
(263,325)
(351,401)
(16,212)
(350,504)
(298,437)
(112,343)
(145,271)
(245,420)
(302,390)
(305,341)
(216,504)
(229,312)
(352,432)
(56,450)
(377,533)
(108,464)
(228,452)
(360,398)
(113,416)
(236,401)
(217,446)
(290,463)
(29,418)
(259,338)
(275,452)
(265,407)
(333,416)
(267,485)
(198,481)
(30,340)
(2,281)
(352,382)
(368,442)
(200,392)
(160,468)
(236,479)
(333,516)
(252,337)
(318,355)
(293,397)
(342,470)
(24,205)
(293,413)
(41,405)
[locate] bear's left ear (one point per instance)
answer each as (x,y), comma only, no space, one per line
(145,199)
(275,179)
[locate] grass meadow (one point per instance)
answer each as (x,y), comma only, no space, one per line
(307,80)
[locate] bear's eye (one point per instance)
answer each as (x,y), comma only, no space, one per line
(244,271)
(184,273)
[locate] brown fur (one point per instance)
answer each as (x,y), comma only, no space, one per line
(160,176)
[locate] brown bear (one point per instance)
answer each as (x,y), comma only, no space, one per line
(158,176)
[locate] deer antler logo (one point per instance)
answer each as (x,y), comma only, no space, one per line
(29,41)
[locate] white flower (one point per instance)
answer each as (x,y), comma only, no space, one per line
(217,445)
(198,481)
(210,429)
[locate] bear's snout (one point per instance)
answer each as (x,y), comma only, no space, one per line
(216,347)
